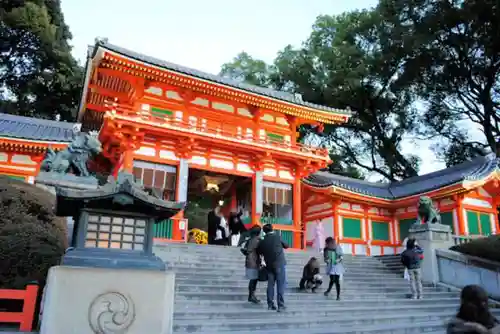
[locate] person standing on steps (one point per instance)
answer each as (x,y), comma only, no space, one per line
(272,248)
(474,316)
(252,262)
(411,259)
(333,255)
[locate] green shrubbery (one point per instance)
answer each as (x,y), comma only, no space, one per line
(486,248)
(32,238)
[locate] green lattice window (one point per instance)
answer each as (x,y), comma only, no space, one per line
(404,227)
(478,223)
(381,231)
(159,112)
(287,236)
(276,221)
(351,228)
(447,219)
(163,229)
(473,223)
(275,137)
(15,177)
(485,222)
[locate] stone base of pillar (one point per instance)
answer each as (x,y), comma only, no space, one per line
(431,237)
(101,300)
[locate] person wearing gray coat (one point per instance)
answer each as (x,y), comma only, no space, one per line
(252,262)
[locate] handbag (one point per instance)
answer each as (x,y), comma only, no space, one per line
(263,274)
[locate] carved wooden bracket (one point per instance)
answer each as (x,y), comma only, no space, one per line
(185,148)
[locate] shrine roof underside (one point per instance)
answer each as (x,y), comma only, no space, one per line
(324,114)
(469,172)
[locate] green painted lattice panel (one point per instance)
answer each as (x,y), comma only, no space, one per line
(473,223)
(163,229)
(447,219)
(161,112)
(275,137)
(485,222)
(351,228)
(287,236)
(15,177)
(381,231)
(276,221)
(404,227)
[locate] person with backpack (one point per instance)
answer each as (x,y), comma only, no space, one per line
(253,262)
(333,257)
(411,259)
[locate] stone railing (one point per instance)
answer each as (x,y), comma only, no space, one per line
(458,270)
(463,239)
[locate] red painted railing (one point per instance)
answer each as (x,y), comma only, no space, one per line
(25,317)
(220,130)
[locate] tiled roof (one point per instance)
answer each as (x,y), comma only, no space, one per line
(279,95)
(471,170)
(35,129)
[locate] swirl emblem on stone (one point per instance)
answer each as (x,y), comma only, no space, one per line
(111,313)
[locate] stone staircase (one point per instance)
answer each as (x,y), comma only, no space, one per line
(211,294)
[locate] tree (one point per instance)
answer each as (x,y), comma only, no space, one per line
(38,75)
(351,61)
(32,238)
(458,66)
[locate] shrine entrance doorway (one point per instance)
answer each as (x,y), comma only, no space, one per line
(208,189)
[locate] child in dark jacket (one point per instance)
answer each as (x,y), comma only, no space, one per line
(310,276)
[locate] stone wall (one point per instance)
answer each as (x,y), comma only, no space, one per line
(459,270)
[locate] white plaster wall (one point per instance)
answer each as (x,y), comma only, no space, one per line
(361,249)
(347,248)
(493,224)
(477,202)
(376,250)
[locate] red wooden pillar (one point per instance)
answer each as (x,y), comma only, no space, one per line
(257,194)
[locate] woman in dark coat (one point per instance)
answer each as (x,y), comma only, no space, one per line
(252,262)
(474,316)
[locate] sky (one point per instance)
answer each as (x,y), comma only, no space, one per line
(205,34)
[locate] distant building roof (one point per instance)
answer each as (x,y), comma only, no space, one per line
(279,95)
(35,129)
(468,171)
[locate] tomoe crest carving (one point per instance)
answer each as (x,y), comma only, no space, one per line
(111,313)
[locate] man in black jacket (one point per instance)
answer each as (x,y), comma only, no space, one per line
(272,249)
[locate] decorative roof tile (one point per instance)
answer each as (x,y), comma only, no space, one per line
(35,129)
(471,170)
(279,95)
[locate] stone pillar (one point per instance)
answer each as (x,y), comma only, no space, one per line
(257,194)
(179,224)
(431,237)
(182,181)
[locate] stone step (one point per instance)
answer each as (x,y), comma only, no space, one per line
(242,281)
(194,304)
(183,260)
(284,321)
(346,288)
(429,327)
(261,312)
(239,272)
(350,295)
(175,257)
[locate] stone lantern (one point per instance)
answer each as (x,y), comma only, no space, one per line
(113,224)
